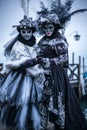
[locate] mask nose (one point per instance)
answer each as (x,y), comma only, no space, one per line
(48,29)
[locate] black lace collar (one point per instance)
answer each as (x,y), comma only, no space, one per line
(29,42)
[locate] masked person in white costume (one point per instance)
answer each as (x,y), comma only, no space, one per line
(20,92)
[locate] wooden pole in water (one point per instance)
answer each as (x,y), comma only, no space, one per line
(73,58)
(83,65)
(79,82)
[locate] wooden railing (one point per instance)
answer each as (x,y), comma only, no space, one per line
(74,77)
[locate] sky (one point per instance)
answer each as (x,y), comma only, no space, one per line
(11,13)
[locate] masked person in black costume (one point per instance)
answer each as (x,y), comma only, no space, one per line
(58,97)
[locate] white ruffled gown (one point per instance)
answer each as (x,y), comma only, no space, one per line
(21,91)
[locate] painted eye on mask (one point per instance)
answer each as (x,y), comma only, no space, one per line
(25,31)
(50,27)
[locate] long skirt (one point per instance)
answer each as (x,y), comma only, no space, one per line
(62,107)
(64,104)
(19,98)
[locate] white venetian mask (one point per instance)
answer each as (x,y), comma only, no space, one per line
(26,34)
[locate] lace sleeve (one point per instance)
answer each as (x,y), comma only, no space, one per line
(61,49)
(18,55)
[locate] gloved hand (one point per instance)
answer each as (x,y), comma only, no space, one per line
(45,62)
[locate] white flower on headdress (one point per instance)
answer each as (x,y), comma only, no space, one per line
(53,18)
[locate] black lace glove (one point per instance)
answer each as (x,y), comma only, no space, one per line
(45,62)
(29,63)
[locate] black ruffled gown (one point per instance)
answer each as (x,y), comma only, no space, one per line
(58,96)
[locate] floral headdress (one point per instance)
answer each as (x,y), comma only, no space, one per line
(59,14)
(26,23)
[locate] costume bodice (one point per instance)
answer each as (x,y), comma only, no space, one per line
(54,48)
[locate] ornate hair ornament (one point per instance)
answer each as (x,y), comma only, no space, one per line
(26,22)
